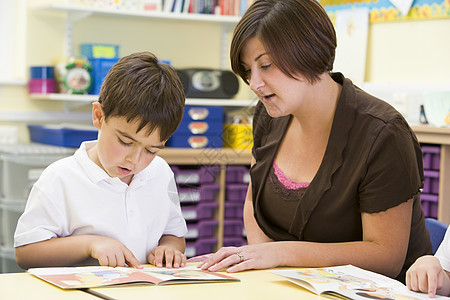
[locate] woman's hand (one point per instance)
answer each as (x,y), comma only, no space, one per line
(426,275)
(257,256)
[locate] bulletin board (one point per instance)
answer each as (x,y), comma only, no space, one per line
(385,10)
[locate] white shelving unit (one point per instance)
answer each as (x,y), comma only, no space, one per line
(86,99)
(76,13)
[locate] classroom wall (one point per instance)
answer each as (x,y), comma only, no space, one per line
(402,54)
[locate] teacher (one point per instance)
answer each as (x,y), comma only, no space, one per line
(336,173)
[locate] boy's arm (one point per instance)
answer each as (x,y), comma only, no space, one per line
(69,251)
(171,250)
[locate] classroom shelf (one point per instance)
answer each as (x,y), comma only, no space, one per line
(189,101)
(439,136)
(88,11)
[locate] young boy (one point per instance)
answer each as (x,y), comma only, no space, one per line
(431,274)
(114,202)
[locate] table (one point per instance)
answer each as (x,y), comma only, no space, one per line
(255,284)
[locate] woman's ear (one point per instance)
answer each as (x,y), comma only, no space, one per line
(97,115)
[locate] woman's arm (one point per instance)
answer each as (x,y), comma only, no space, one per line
(254,234)
(382,250)
(72,250)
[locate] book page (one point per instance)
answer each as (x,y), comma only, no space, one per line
(90,277)
(350,282)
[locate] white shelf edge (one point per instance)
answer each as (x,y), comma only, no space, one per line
(44,116)
(189,101)
(67,7)
(13,82)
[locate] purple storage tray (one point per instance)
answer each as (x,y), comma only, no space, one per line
(234,241)
(431,182)
(201,229)
(431,157)
(200,246)
(205,174)
(205,192)
(429,205)
(234,210)
(233,228)
(236,192)
(237,174)
(200,211)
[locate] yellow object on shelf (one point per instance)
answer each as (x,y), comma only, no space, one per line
(238,136)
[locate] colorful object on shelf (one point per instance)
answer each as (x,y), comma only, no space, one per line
(100,50)
(78,79)
(42,80)
(100,68)
(201,127)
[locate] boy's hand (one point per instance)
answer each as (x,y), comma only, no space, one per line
(172,257)
(110,252)
(427,276)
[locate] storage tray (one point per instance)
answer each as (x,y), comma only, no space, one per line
(201,229)
(200,246)
(205,192)
(200,211)
(62,135)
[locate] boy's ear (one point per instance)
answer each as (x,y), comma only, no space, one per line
(97,115)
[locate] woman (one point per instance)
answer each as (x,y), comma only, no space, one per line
(336,173)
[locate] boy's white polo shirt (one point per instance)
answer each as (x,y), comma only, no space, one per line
(443,252)
(74,196)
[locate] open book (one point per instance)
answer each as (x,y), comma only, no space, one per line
(91,277)
(350,282)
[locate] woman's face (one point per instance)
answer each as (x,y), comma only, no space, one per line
(281,95)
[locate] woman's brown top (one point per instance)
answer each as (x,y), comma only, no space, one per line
(372,162)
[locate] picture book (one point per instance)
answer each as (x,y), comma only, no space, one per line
(350,282)
(91,277)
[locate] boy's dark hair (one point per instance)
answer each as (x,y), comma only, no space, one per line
(297,34)
(138,87)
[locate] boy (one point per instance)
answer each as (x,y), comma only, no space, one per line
(431,274)
(114,202)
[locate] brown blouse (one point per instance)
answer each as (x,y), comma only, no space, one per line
(372,162)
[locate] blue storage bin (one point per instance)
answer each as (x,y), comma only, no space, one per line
(63,136)
(195,141)
(203,113)
(100,68)
(188,127)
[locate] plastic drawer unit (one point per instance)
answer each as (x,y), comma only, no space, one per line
(201,229)
(200,211)
(200,246)
(431,157)
(431,182)
(193,176)
(429,205)
(234,210)
(236,192)
(237,174)
(21,166)
(205,192)
(201,127)
(10,214)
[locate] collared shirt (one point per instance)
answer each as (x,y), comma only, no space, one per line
(74,196)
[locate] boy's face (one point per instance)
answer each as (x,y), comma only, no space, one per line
(121,152)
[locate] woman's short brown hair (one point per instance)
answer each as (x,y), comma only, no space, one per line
(297,34)
(138,87)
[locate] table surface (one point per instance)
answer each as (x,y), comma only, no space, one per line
(254,284)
